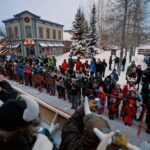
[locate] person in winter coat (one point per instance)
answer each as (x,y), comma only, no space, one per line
(92,68)
(108,87)
(117,91)
(20,131)
(123,63)
(102,96)
(131,84)
(139,75)
(116,62)
(130,69)
(54,60)
(110,62)
(73,94)
(85,67)
(65,65)
(130,112)
(28,75)
(113,108)
(114,76)
(78,64)
(104,65)
(50,62)
(145,91)
(6,90)
(70,65)
(99,66)
(59,83)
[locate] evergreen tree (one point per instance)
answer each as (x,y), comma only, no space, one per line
(92,40)
(79,34)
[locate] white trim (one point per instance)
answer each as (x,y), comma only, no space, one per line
(43,44)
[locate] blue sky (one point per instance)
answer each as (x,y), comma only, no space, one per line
(60,11)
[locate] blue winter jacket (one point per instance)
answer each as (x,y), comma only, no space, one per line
(92,68)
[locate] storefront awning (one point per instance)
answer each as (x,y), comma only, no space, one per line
(50,45)
(43,44)
(59,45)
(15,46)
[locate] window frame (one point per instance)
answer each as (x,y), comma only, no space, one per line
(27,28)
(40,32)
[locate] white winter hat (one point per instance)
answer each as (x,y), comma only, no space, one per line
(16,114)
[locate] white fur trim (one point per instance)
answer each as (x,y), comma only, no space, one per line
(32,110)
(103,136)
(42,143)
(86,107)
(106,139)
(1,103)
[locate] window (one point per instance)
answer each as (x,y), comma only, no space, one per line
(40,32)
(28,32)
(59,35)
(48,33)
(9,33)
(54,34)
(16,32)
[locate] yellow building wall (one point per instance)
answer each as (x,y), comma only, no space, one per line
(51,27)
(12,25)
(38,24)
(27,23)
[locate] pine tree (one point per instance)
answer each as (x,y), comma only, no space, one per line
(79,34)
(93,35)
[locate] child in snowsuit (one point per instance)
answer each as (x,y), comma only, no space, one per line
(113,108)
(129,112)
(102,96)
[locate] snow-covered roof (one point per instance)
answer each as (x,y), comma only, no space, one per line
(67,36)
(146,46)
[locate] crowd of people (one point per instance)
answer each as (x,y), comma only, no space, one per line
(24,131)
(73,80)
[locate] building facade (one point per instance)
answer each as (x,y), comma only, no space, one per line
(29,35)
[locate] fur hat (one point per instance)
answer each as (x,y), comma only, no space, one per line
(16,114)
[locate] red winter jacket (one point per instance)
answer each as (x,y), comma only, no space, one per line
(130,112)
(64,66)
(28,69)
(126,89)
(113,107)
(78,65)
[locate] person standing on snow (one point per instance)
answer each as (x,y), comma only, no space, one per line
(104,65)
(123,63)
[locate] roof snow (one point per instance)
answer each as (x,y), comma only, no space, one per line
(67,36)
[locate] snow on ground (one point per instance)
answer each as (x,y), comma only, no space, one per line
(66,106)
(105,55)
